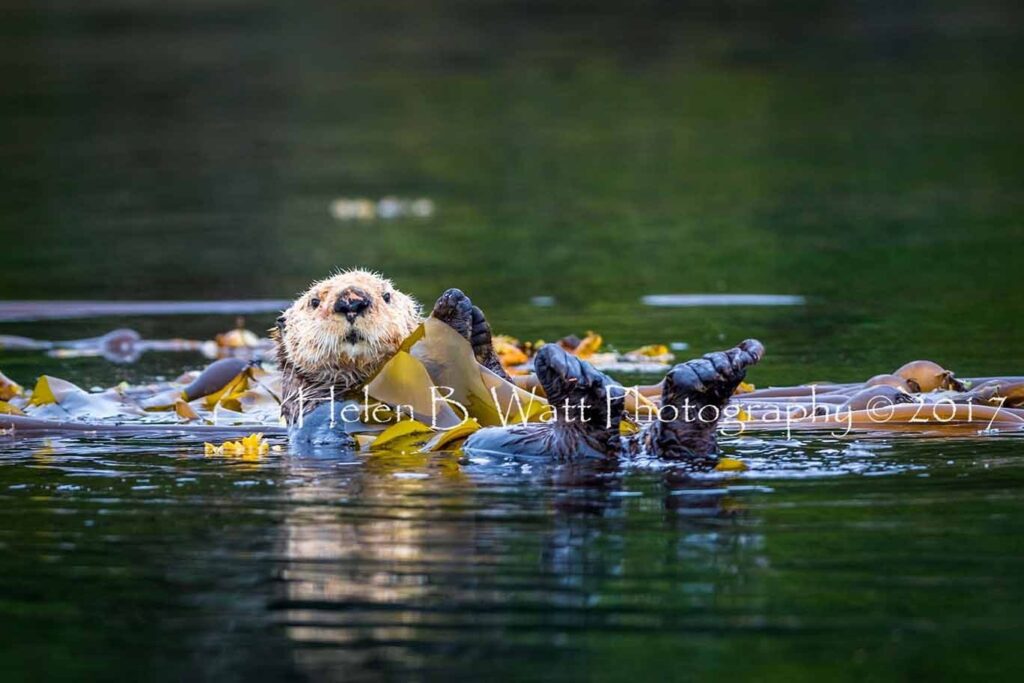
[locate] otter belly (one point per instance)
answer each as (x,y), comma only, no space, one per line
(549,440)
(320,428)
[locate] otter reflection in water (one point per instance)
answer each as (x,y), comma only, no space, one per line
(400,562)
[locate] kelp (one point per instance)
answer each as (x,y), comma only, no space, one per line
(56,398)
(650,353)
(587,347)
(516,356)
(404,435)
(235,397)
(926,375)
(239,338)
(183,410)
(413,435)
(1008,393)
(905,417)
(118,346)
(251,447)
(730,465)
(437,375)
(433,394)
(449,360)
(9,388)
(442,441)
(404,381)
(215,378)
(509,351)
(881,404)
(8,409)
(228,396)
(127,346)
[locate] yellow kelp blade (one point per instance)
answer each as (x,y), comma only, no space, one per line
(744,388)
(516,405)
(442,382)
(628,428)
(215,377)
(443,440)
(403,381)
(229,396)
(589,345)
(7,409)
(508,351)
(730,465)
(449,360)
(163,400)
(402,436)
(255,442)
(232,383)
(185,411)
(650,353)
(250,447)
(42,394)
(452,367)
(8,388)
(55,397)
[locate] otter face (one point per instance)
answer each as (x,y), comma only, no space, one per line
(347,324)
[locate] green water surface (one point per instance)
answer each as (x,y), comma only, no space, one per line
(864,155)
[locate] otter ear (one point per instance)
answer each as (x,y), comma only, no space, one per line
(281,320)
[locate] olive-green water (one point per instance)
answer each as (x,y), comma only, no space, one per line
(866,156)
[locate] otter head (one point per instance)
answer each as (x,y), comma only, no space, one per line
(346,326)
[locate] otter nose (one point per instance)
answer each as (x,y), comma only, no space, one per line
(352,303)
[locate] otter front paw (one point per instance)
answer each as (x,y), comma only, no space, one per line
(480,335)
(454,309)
(482,341)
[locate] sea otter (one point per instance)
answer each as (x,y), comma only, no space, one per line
(342,330)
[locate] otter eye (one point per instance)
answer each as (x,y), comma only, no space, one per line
(314,302)
(387,297)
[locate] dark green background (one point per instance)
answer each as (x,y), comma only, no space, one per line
(865,155)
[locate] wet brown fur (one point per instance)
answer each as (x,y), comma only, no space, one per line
(319,350)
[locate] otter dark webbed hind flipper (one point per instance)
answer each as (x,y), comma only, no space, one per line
(456,310)
(588,407)
(584,399)
(698,391)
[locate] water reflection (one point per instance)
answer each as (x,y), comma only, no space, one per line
(382,569)
(361,567)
